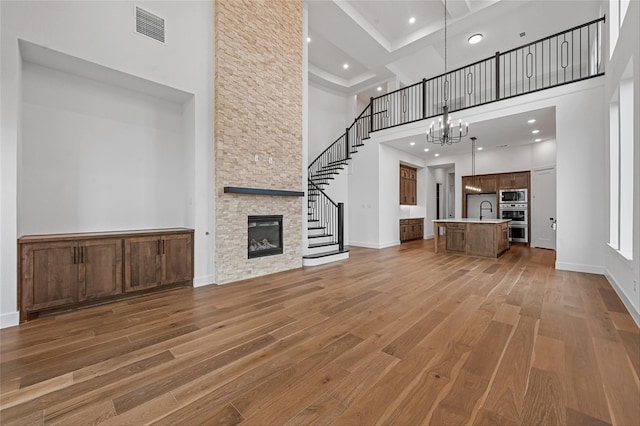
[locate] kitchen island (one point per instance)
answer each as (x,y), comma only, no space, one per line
(473,237)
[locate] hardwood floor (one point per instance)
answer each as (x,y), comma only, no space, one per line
(396,336)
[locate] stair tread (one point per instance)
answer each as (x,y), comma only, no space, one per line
(315,228)
(320,235)
(316,245)
(329,253)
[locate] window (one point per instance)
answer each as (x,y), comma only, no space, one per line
(624,5)
(617,12)
(614,171)
(621,191)
(614,24)
(626,162)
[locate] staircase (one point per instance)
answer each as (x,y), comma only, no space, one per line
(566,57)
(325,221)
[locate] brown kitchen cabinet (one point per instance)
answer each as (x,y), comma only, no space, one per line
(455,237)
(514,180)
(411,229)
(486,184)
(67,271)
(408,185)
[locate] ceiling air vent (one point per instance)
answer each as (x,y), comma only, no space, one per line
(149,25)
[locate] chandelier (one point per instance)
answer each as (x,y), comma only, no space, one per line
(444,132)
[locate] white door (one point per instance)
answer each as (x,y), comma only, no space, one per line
(543,208)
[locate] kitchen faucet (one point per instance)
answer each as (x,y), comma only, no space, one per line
(483,208)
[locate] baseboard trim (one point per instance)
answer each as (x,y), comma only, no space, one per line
(203,281)
(375,246)
(577,267)
(9,320)
(635,314)
(389,244)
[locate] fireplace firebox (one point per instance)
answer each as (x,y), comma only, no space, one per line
(265,236)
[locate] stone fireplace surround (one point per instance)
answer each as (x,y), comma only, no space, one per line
(257,131)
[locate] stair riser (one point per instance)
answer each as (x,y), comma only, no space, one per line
(313,232)
(326,259)
(320,240)
(323,249)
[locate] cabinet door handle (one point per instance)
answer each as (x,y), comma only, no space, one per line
(74,255)
(162,246)
(158,247)
(81,254)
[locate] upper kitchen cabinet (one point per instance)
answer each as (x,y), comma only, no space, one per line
(408,185)
(514,180)
(486,183)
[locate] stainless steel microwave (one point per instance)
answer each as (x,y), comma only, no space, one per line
(513,196)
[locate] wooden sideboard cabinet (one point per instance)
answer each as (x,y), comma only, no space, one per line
(411,229)
(155,260)
(65,271)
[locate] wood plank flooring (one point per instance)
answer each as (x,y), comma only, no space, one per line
(399,336)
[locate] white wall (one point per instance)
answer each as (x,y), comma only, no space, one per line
(374,194)
(364,197)
(389,193)
(327,119)
(623,274)
(102,33)
(96,157)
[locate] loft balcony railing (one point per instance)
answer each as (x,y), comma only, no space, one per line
(566,57)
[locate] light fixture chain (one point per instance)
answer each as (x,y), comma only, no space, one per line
(443,133)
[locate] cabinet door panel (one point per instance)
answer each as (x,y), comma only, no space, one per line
(455,240)
(142,263)
(520,180)
(176,265)
(100,268)
(49,275)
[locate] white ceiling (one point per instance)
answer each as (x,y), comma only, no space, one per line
(380,45)
(498,133)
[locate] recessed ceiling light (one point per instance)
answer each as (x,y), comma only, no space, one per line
(533,120)
(345,66)
(538,140)
(535,132)
(426,150)
(379,88)
(479,148)
(412,143)
(437,155)
(308,39)
(474,39)
(412,20)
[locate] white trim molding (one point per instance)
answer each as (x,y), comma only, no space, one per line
(625,300)
(10,319)
(576,267)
